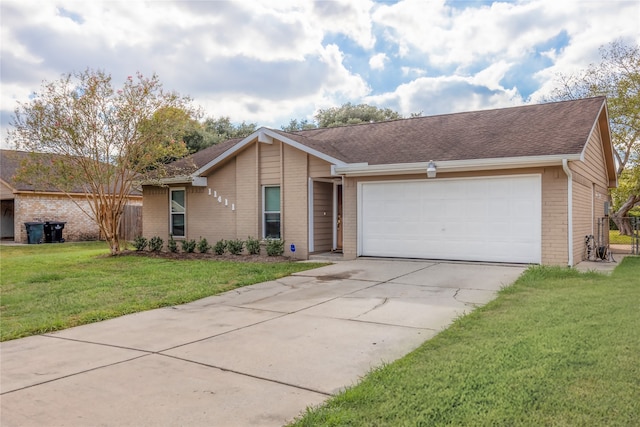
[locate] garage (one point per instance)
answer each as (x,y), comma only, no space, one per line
(496,219)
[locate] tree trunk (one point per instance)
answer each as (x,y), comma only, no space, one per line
(621,217)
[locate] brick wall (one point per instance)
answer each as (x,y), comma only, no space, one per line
(554,217)
(295,207)
(155,212)
(51,207)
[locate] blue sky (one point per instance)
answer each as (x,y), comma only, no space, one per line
(269,61)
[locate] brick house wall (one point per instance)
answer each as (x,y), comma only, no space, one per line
(41,207)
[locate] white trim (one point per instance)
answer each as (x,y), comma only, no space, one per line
(359,218)
(263,134)
(264,202)
(567,170)
(196,181)
(311,222)
(171,213)
(334,215)
(596,123)
(364,169)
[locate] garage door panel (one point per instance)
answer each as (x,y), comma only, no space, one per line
(480,219)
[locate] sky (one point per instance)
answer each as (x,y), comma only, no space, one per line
(267,62)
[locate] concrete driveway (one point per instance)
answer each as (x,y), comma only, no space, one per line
(256,356)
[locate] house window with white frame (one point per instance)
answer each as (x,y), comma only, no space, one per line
(177,226)
(271,212)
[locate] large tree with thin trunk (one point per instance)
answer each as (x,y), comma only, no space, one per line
(99,140)
(617,77)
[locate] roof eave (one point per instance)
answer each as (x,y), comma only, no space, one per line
(363,169)
(196,181)
(264,135)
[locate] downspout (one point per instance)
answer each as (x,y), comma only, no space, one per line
(565,167)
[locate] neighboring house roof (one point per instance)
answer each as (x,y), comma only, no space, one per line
(529,135)
(10,163)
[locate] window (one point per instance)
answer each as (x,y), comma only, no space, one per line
(271,208)
(177,212)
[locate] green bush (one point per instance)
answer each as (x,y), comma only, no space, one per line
(235,246)
(140,243)
(172,245)
(275,247)
(220,247)
(155,244)
(203,246)
(188,246)
(252,245)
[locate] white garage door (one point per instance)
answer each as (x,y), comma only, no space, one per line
(480,219)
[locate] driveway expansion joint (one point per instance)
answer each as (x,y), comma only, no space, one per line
(233,371)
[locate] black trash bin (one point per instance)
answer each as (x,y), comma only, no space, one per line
(35,231)
(53,231)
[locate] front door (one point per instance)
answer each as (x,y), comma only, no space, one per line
(339,217)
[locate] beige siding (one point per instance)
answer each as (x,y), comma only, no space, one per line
(270,163)
(319,168)
(593,168)
(155,212)
(589,194)
(294,206)
(582,218)
(248,207)
(323,216)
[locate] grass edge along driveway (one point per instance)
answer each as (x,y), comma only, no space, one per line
(558,347)
(45,288)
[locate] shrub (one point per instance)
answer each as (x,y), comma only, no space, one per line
(188,246)
(172,245)
(220,247)
(235,246)
(275,247)
(155,244)
(203,246)
(140,243)
(252,245)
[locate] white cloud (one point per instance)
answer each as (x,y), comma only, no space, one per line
(412,71)
(269,61)
(448,94)
(377,61)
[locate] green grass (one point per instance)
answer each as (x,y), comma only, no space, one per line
(45,288)
(616,239)
(558,348)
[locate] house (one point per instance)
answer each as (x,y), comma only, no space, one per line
(517,185)
(22,202)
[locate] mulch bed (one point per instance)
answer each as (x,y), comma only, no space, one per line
(207,256)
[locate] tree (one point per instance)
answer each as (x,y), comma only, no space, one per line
(213,131)
(349,114)
(94,139)
(617,77)
(295,125)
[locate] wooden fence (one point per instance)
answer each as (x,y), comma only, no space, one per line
(131,223)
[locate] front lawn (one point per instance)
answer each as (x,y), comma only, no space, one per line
(558,348)
(50,287)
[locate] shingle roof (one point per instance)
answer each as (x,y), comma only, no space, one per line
(556,128)
(202,157)
(10,163)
